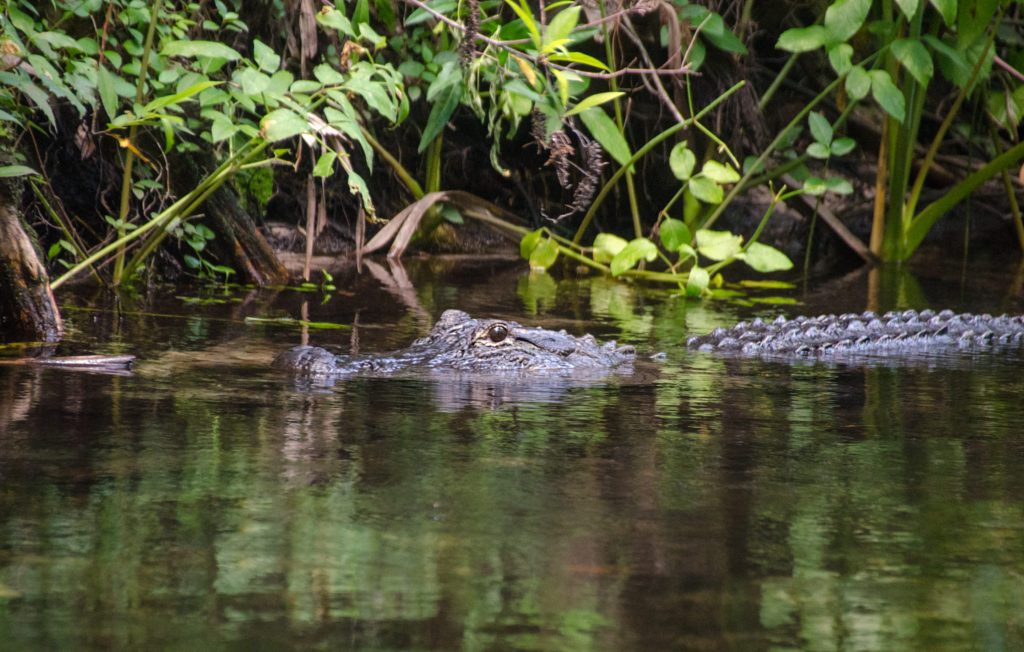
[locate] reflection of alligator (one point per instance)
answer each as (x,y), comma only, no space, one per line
(867,334)
(459,342)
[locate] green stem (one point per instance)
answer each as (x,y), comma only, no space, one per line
(606,188)
(396,166)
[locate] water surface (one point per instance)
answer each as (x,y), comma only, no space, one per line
(206,502)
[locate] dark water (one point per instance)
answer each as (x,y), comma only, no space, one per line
(204,502)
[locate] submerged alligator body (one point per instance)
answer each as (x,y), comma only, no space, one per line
(460,343)
(893,334)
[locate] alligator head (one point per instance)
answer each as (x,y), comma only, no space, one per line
(460,343)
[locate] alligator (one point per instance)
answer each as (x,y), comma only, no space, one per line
(894,334)
(460,343)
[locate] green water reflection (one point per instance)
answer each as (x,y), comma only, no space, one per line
(699,504)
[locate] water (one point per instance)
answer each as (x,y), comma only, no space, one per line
(205,502)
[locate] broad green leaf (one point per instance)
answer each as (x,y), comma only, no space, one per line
(817,150)
(377,98)
(264,56)
(802,39)
(523,11)
(326,74)
(766,259)
(972,21)
(544,254)
(222,127)
(887,95)
(373,38)
(697,281)
(561,26)
(605,131)
(40,99)
(607,246)
(674,234)
(325,164)
(638,249)
(947,8)
(439,115)
(821,129)
(563,86)
(282,123)
(858,83)
(16,171)
(681,160)
(210,49)
(840,57)
(838,185)
(908,7)
(337,20)
(814,186)
(715,31)
(842,146)
(845,18)
(593,100)
(706,190)
(168,100)
(719,172)
(579,57)
(718,245)
(915,58)
(529,243)
(108,94)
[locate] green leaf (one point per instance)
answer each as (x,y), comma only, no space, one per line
(325,164)
(947,8)
(264,56)
(718,245)
(715,31)
(253,81)
(682,161)
(210,49)
(336,20)
(108,94)
(529,243)
(838,185)
(845,18)
(16,171)
(802,39)
(579,57)
(674,234)
(605,131)
(222,127)
(544,254)
(840,57)
(817,150)
(887,95)
(631,254)
(439,115)
(706,190)
(561,26)
(282,123)
(697,281)
(523,11)
(913,55)
(168,100)
(858,83)
(593,100)
(908,7)
(607,246)
(719,172)
(821,129)
(814,186)
(842,146)
(766,259)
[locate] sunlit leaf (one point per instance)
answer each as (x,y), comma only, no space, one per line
(858,83)
(325,164)
(821,129)
(766,259)
(947,8)
(718,245)
(913,55)
(681,160)
(544,254)
(817,150)
(908,7)
(529,243)
(16,171)
(607,246)
(706,190)
(282,123)
(638,249)
(845,18)
(210,49)
(593,100)
(264,56)
(840,57)
(802,39)
(720,172)
(605,131)
(697,281)
(561,26)
(674,234)
(887,95)
(842,146)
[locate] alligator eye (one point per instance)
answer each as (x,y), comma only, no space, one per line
(497,333)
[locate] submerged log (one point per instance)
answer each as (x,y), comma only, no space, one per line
(27,307)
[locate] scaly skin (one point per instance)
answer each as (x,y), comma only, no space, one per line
(905,333)
(459,342)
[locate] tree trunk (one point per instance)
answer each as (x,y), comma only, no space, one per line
(27,308)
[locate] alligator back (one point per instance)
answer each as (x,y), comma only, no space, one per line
(836,336)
